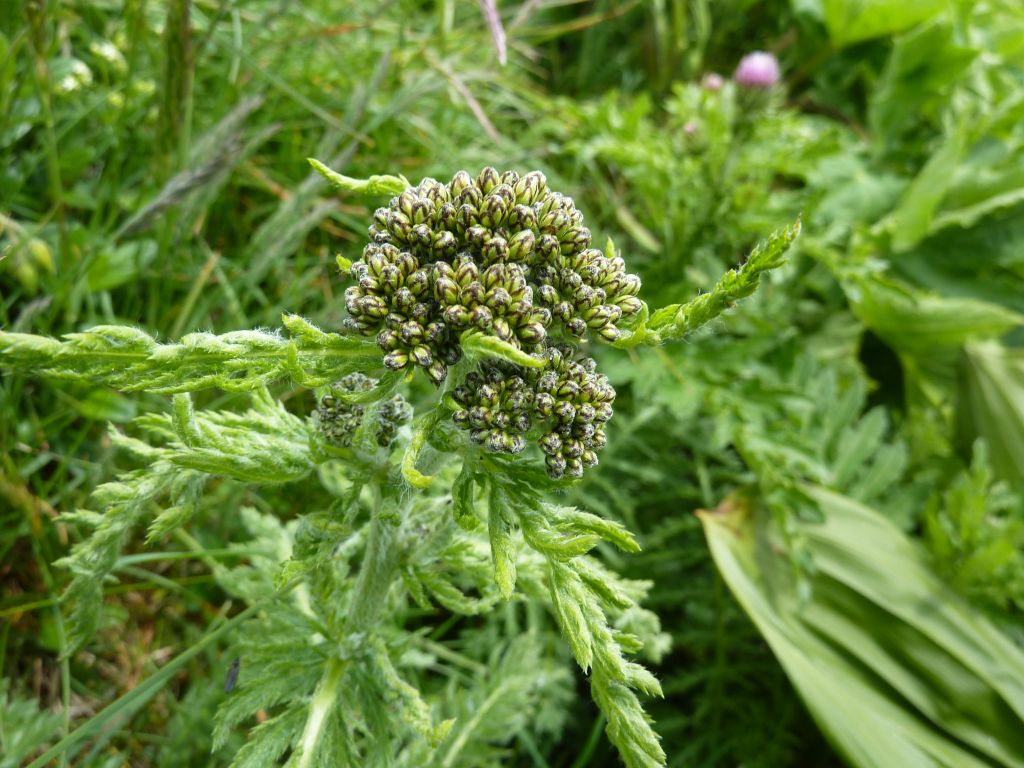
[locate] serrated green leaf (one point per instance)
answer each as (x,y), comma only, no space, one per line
(374,185)
(480,346)
(463,500)
(677,320)
(129,359)
(503,549)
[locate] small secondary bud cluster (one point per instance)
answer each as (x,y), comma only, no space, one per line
(566,402)
(337,420)
(500,253)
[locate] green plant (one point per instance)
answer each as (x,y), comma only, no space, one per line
(880,669)
(407,521)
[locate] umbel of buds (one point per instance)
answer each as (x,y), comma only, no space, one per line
(499,253)
(565,405)
(337,420)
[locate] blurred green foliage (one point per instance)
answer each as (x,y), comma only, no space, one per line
(153,172)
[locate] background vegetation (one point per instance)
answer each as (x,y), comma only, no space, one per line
(153,172)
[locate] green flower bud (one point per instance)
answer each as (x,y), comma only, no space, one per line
(501,329)
(422,211)
(488,179)
(473,294)
(396,360)
(629,305)
(583,431)
(404,299)
(448,217)
(467,216)
(548,247)
(495,249)
(459,182)
(574,239)
(388,340)
(564,411)
(406,202)
(568,389)
(530,187)
(432,190)
(373,306)
(551,444)
(446,291)
(482,318)
(422,356)
(466,271)
(553,222)
(370,283)
(411,333)
(457,316)
(531,333)
(444,244)
(418,282)
(435,331)
(555,466)
(478,236)
(390,280)
(437,371)
(520,247)
(421,236)
(522,217)
(498,299)
(399,227)
(420,312)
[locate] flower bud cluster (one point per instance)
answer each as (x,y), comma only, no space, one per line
(500,253)
(392,299)
(567,403)
(577,401)
(497,407)
(337,420)
(586,289)
(392,415)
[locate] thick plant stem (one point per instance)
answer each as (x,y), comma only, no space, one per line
(375,576)
(367,602)
(324,699)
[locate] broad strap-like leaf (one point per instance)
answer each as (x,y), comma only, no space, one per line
(894,668)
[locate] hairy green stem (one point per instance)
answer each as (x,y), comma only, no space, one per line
(324,699)
(472,724)
(367,603)
(377,572)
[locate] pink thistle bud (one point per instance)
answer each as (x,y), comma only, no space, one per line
(690,128)
(712,82)
(757,70)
